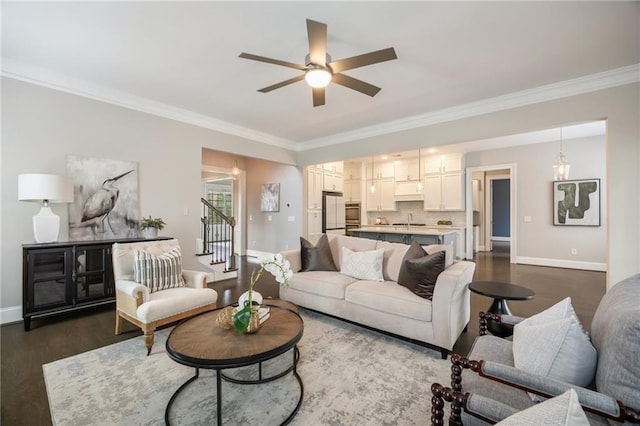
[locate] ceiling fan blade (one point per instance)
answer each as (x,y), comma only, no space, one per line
(318,96)
(317,33)
(363,60)
(272,61)
(355,84)
(282,84)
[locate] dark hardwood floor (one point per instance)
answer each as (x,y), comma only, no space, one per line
(23,397)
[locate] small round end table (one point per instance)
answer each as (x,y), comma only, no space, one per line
(500,292)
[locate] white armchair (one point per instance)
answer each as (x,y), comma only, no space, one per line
(150,310)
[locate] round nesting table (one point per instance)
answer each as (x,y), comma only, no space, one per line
(198,342)
(500,292)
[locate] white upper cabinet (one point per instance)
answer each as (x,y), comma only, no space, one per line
(407,170)
(444,163)
(352,170)
(334,167)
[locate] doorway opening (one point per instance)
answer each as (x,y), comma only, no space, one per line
(491,222)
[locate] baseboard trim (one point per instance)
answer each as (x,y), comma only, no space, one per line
(562,263)
(505,239)
(11,314)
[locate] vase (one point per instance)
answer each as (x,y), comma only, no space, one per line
(256,299)
(254,323)
(150,232)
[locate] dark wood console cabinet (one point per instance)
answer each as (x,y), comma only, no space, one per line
(67,276)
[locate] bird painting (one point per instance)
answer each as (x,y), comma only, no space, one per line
(102,202)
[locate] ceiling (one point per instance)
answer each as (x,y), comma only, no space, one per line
(180,59)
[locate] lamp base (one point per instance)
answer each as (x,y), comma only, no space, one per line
(46,226)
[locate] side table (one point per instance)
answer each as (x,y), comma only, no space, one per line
(500,292)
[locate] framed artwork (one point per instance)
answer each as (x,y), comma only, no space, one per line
(270,197)
(105,202)
(576,202)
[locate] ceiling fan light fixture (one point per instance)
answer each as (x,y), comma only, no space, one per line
(318,77)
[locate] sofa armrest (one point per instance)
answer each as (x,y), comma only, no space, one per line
(592,401)
(450,304)
(293,256)
(194,279)
(132,288)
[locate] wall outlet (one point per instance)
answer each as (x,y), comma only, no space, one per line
(574,251)
(250,217)
(253,243)
(185,211)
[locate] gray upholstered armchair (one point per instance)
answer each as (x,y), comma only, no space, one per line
(152,301)
(487,388)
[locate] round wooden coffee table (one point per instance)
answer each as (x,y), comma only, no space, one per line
(501,292)
(198,342)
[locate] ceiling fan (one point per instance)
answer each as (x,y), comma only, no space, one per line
(320,70)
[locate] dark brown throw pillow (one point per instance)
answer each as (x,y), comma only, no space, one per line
(404,277)
(316,258)
(424,272)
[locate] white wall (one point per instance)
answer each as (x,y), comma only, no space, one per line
(41,126)
(619,105)
(539,239)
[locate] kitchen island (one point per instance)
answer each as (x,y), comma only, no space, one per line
(406,234)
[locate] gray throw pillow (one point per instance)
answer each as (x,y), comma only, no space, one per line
(316,258)
(424,273)
(404,277)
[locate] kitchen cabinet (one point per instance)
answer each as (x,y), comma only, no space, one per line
(352,190)
(444,163)
(314,226)
(352,170)
(334,167)
(444,192)
(67,276)
(407,170)
(315,184)
(333,182)
(383,198)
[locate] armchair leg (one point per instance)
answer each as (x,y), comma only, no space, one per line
(118,323)
(148,340)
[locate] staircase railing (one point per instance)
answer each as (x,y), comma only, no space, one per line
(217,232)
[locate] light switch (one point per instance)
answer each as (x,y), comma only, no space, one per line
(250,217)
(291,218)
(185,211)
(269,218)
(527,218)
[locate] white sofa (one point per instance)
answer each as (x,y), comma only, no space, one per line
(386,305)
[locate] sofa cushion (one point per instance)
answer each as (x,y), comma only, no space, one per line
(415,251)
(316,258)
(336,242)
(433,248)
(424,272)
(394,254)
(553,343)
(158,272)
(321,283)
(388,296)
(563,410)
(615,332)
(363,265)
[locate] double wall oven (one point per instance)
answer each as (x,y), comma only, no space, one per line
(352,216)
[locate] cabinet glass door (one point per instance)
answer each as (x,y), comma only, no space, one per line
(49,286)
(91,280)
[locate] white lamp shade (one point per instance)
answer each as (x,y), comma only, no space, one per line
(40,187)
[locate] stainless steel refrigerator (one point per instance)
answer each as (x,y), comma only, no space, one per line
(333,213)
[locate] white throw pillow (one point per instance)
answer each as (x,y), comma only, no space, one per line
(554,344)
(158,272)
(563,410)
(363,265)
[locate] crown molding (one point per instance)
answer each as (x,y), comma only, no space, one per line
(41,77)
(590,83)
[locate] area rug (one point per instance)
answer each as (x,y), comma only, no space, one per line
(351,376)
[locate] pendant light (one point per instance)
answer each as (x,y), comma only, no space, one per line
(419,186)
(373,185)
(561,168)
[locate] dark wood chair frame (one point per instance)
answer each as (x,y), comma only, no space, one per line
(459,399)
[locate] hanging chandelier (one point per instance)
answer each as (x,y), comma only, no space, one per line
(561,168)
(419,186)
(372,188)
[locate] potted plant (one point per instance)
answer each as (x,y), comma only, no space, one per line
(151,225)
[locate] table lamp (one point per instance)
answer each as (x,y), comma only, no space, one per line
(46,189)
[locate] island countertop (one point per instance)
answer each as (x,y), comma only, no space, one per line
(411,230)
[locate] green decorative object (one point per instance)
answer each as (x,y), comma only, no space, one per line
(281,270)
